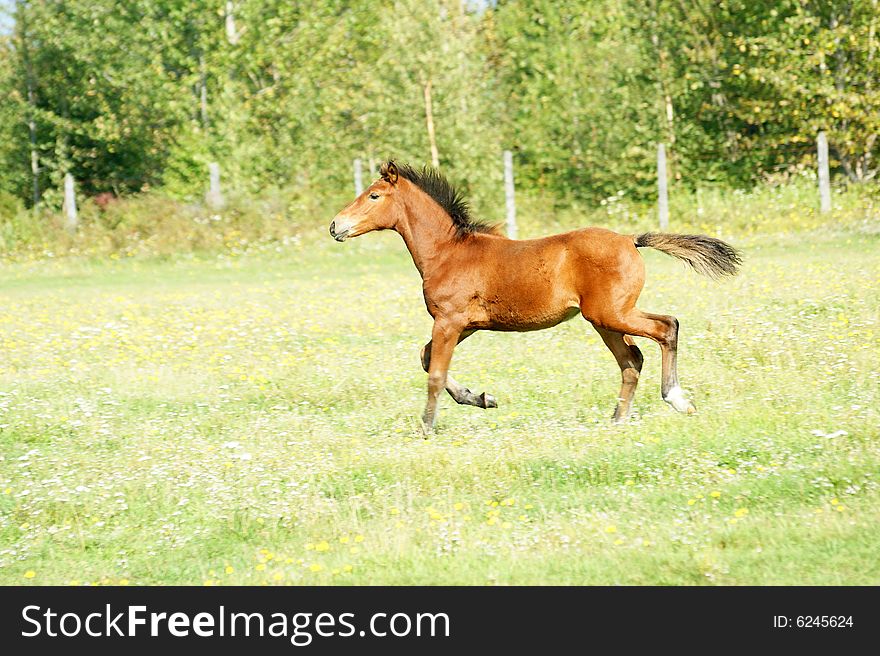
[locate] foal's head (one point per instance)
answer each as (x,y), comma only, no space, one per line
(379,207)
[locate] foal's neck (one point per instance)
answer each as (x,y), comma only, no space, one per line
(427,231)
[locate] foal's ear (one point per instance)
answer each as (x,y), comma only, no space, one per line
(389,172)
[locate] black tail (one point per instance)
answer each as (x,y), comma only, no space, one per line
(707,255)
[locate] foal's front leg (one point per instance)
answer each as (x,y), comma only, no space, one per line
(444,337)
(461,394)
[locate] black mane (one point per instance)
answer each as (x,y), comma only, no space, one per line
(448,197)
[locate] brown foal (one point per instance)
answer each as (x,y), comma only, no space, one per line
(474,278)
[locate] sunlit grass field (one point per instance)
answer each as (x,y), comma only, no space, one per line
(252,419)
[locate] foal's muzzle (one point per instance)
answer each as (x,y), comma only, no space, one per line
(338,236)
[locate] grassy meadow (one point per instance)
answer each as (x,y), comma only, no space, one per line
(251,418)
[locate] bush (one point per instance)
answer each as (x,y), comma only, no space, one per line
(156,224)
(787,207)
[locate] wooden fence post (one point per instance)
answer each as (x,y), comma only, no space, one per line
(214,197)
(71,220)
(509,195)
(824,176)
(358,177)
(662,191)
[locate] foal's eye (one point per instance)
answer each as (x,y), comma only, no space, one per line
(374,196)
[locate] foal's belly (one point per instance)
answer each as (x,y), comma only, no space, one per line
(538,322)
(521,317)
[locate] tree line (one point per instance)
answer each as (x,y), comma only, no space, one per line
(134,95)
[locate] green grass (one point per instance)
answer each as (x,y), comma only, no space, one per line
(253,418)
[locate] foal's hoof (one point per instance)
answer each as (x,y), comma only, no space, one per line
(487,401)
(676,398)
(427,426)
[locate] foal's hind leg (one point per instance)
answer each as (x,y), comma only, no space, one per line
(669,387)
(461,394)
(630,359)
(663,329)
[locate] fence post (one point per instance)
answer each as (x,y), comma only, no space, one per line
(358,177)
(71,221)
(214,197)
(509,195)
(824,177)
(662,192)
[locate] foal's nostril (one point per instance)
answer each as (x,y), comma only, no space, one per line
(333,228)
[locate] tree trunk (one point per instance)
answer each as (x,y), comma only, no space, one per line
(231,30)
(203,92)
(665,96)
(21,16)
(429,117)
